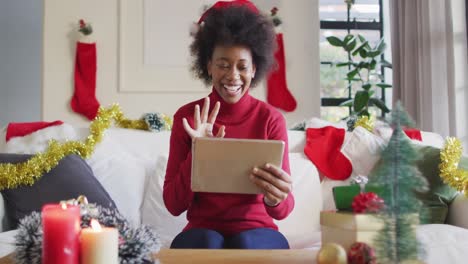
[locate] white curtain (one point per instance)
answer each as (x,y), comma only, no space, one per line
(430,63)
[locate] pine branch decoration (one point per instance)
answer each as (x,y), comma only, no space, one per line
(400,118)
(29,240)
(399,179)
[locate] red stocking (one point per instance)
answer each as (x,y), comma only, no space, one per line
(278,94)
(84,99)
(323,148)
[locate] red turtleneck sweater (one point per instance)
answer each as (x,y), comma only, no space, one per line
(226,213)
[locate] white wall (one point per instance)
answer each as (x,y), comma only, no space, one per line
(20,55)
(301,32)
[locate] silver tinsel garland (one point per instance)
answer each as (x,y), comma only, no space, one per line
(135,247)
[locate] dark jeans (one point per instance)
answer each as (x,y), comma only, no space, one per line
(260,238)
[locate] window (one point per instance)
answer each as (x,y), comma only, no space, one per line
(366,18)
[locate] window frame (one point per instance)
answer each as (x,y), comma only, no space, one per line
(349,25)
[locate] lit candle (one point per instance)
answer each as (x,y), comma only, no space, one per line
(61,233)
(99,244)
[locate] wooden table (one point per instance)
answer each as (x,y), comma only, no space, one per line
(227,256)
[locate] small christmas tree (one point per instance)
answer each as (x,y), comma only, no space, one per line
(399,179)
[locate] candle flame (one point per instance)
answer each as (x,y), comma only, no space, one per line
(64,206)
(95,225)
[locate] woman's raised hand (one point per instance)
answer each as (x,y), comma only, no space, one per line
(203,124)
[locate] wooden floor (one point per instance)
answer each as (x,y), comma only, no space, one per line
(226,256)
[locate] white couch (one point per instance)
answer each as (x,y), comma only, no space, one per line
(130,164)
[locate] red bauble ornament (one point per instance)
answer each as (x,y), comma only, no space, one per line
(361,253)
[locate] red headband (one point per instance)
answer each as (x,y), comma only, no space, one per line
(225,4)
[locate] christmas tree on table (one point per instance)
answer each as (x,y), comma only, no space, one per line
(399,179)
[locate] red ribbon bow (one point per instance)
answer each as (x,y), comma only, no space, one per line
(367,203)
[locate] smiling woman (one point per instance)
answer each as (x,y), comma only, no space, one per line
(231,70)
(232,51)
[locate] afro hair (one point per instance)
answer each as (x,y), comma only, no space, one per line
(232,26)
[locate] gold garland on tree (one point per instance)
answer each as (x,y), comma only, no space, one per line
(28,172)
(449,158)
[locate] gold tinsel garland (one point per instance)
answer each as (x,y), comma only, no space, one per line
(449,158)
(365,122)
(28,172)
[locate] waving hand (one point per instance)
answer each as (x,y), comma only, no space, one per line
(203,124)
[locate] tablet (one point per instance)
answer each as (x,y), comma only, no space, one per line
(223,165)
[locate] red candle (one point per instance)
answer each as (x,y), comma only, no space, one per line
(61,233)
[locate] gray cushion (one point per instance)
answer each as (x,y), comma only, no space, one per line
(72,177)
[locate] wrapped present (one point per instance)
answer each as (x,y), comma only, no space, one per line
(345,228)
(344,195)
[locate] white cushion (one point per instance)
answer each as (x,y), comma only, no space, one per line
(122,175)
(142,144)
(304,221)
(151,150)
(444,243)
(432,139)
(428,138)
(362,148)
(154,212)
(296,140)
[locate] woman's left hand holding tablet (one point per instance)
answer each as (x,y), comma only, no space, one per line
(203,123)
(274,182)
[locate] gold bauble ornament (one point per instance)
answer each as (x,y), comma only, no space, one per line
(332,253)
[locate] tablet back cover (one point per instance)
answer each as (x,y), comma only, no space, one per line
(223,165)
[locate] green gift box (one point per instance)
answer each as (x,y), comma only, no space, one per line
(344,195)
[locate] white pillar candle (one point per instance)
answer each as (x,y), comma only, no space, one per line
(99,245)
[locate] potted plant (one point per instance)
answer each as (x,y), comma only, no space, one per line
(365,64)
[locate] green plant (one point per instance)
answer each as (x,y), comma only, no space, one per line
(365,68)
